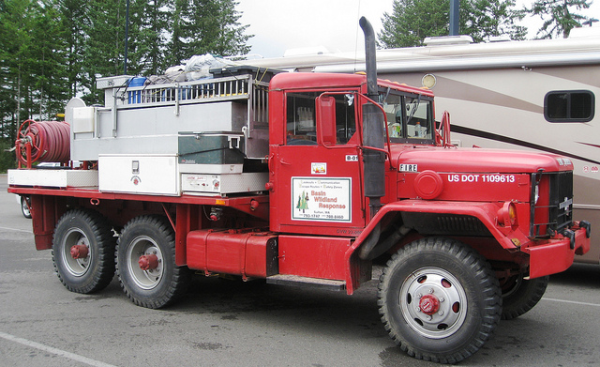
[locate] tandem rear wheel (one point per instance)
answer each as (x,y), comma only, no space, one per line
(146,263)
(83,250)
(439,300)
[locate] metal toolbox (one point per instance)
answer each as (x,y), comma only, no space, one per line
(223,184)
(139,174)
(53,178)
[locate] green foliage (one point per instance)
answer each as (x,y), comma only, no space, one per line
(558,17)
(206,26)
(53,50)
(412,21)
(493,18)
(8,159)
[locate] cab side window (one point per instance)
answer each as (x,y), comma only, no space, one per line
(345,114)
(301,125)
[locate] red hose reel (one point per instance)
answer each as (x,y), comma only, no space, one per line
(44,141)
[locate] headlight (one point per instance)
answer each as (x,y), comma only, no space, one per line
(507,215)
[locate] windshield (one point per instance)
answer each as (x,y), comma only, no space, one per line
(408,117)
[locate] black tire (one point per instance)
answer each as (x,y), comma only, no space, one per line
(94,271)
(522,295)
(159,286)
(25,206)
(468,300)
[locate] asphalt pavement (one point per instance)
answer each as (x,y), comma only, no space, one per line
(232,323)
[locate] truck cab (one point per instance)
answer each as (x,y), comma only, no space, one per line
(442,208)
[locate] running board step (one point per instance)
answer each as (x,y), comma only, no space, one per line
(304,282)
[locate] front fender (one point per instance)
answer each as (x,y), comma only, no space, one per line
(487,213)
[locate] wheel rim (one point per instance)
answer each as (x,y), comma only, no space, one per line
(25,208)
(433,302)
(76,266)
(144,246)
(512,286)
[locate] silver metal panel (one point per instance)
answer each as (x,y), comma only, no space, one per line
(113,81)
(151,123)
(154,130)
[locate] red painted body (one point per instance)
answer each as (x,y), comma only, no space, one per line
(250,254)
(314,217)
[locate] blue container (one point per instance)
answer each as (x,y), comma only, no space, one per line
(135,96)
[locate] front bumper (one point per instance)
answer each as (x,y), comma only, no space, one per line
(557,254)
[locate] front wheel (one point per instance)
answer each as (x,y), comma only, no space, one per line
(439,300)
(146,263)
(520,295)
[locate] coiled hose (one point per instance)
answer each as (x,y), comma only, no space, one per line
(49,142)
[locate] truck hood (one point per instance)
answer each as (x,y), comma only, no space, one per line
(472,160)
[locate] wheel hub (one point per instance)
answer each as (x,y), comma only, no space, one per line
(145,262)
(429,304)
(79,252)
(148,262)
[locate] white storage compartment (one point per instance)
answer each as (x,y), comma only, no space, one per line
(139,174)
(53,178)
(223,184)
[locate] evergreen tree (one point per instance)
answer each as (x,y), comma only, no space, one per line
(16,62)
(206,26)
(72,16)
(104,47)
(52,50)
(152,40)
(558,17)
(51,84)
(414,20)
(177,48)
(222,34)
(32,65)
(492,18)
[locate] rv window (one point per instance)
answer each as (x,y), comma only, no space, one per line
(569,106)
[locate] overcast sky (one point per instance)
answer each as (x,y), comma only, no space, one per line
(280,25)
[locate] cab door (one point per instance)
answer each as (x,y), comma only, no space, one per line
(317,185)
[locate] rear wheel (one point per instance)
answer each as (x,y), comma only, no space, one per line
(439,300)
(146,263)
(521,295)
(25,206)
(83,251)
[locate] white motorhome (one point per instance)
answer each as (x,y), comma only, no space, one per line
(535,95)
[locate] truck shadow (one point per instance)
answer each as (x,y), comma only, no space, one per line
(582,275)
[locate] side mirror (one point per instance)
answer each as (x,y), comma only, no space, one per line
(326,120)
(442,133)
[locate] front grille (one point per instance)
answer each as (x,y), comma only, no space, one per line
(554,213)
(435,224)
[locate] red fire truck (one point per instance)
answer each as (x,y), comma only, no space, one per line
(300,178)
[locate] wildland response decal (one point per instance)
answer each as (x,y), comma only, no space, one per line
(323,199)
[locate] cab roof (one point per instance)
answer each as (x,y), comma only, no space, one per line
(292,81)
